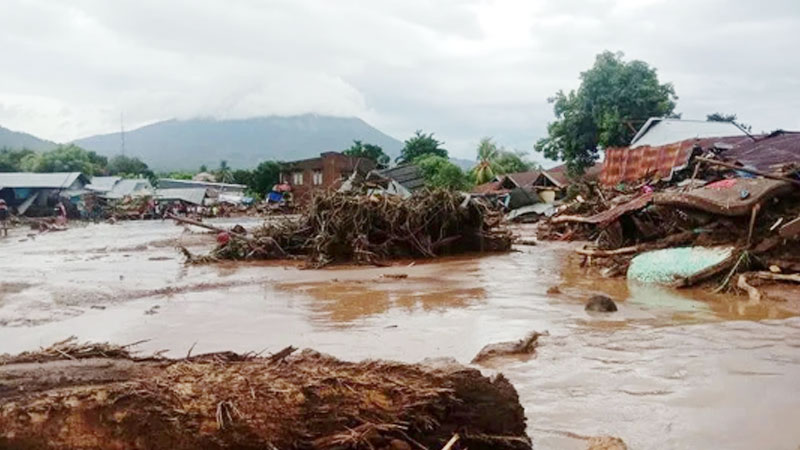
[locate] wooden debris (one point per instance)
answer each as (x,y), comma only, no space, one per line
(752,292)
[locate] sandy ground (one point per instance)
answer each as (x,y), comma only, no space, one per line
(669,370)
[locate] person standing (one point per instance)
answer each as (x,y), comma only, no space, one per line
(3,217)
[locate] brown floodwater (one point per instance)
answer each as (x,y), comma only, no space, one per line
(669,370)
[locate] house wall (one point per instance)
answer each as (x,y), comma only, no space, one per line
(334,168)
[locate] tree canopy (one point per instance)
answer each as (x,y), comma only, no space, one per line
(371,151)
(11,160)
(495,160)
(127,165)
(419,145)
(613,99)
(260,180)
(439,172)
(66,158)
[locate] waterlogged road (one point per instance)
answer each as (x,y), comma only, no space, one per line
(669,371)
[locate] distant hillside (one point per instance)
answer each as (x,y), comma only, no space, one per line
(186,144)
(18,140)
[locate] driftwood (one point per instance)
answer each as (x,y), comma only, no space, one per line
(777,276)
(596,252)
(525,346)
(752,292)
(367,229)
(227,400)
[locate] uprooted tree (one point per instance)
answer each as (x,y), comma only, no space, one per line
(614,98)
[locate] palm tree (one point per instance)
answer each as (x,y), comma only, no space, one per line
(487,154)
(224,173)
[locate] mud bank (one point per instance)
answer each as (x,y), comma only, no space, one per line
(226,400)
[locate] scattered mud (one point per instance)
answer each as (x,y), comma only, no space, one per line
(676,368)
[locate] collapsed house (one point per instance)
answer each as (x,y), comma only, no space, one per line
(36,194)
(688,205)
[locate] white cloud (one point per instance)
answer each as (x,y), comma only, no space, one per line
(460,68)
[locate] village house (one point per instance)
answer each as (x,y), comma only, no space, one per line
(324,172)
(37,193)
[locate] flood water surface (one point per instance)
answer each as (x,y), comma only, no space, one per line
(669,370)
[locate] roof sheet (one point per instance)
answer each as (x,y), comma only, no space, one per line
(194,196)
(524,179)
(408,175)
(171,183)
(657,131)
(102,184)
(766,152)
(55,180)
(130,187)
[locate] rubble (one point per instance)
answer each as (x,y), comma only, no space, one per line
(226,400)
(711,200)
(601,303)
(370,229)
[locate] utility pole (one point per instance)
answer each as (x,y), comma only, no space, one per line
(122,133)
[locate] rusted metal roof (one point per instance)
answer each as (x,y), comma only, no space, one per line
(734,197)
(523,179)
(767,152)
(611,214)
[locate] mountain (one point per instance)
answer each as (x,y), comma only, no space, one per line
(18,140)
(243,143)
(465,164)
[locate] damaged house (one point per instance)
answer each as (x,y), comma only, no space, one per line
(328,171)
(36,194)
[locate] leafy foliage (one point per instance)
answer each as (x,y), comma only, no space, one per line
(11,160)
(494,160)
(66,158)
(224,173)
(720,117)
(439,172)
(126,165)
(260,180)
(614,96)
(371,151)
(421,144)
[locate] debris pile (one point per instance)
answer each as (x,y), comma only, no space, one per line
(370,229)
(225,400)
(713,219)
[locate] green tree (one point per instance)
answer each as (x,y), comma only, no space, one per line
(66,158)
(371,151)
(421,144)
(720,117)
(127,165)
(264,176)
(11,160)
(203,168)
(614,96)
(224,173)
(487,154)
(439,172)
(512,161)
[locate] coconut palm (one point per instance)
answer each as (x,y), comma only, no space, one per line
(487,154)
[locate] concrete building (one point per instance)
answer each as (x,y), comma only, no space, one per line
(324,172)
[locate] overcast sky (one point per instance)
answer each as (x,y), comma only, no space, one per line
(460,68)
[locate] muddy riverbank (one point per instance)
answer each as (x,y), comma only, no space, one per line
(669,370)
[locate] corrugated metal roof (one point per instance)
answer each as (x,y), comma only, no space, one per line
(55,180)
(194,196)
(126,187)
(171,183)
(102,184)
(766,152)
(657,131)
(408,175)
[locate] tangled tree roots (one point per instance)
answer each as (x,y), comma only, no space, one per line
(308,401)
(370,229)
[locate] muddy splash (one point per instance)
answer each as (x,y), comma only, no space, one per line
(669,370)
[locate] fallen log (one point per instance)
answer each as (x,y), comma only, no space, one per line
(603,253)
(752,292)
(225,400)
(777,276)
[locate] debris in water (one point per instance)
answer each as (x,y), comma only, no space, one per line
(525,346)
(601,303)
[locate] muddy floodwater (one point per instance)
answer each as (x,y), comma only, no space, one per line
(670,370)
